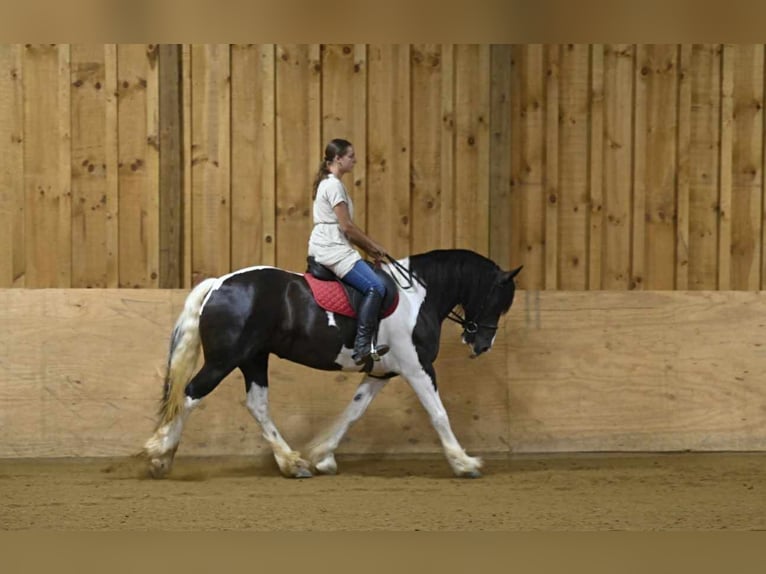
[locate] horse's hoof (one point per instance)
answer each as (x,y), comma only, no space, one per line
(159,468)
(327,465)
(302,473)
(471,474)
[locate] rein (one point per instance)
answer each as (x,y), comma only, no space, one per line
(470,327)
(404,272)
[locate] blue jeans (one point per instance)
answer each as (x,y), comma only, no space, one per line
(363,278)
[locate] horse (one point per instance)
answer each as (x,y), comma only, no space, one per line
(241,318)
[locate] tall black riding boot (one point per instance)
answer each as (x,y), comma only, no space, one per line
(367,328)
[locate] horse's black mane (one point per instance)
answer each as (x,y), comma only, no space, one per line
(455,275)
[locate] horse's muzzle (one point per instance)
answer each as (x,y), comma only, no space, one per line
(475,352)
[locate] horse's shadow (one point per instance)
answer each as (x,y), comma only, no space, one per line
(201,469)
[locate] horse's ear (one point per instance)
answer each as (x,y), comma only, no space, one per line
(508,276)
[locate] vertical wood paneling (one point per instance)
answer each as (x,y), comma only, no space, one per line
(389,221)
(253,167)
(138,141)
(500,156)
(45,203)
(640,149)
(573,167)
(552,197)
(188,244)
(704,158)
(344,91)
(447,172)
(472,147)
(427,221)
(596,167)
(63,245)
(725,190)
(298,149)
(682,162)
(90,202)
(657,79)
(596,171)
(747,168)
(112,159)
(171,167)
(527,168)
(618,165)
(211,156)
(12,254)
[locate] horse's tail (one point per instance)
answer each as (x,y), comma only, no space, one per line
(183,355)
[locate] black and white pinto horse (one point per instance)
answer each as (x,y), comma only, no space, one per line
(241,318)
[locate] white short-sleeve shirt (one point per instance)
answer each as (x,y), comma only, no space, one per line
(327,244)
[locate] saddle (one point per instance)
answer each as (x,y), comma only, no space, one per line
(333,295)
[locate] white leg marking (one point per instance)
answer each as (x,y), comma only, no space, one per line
(323,447)
(461,463)
(161,447)
(289,461)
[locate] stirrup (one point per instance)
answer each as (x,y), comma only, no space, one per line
(377,352)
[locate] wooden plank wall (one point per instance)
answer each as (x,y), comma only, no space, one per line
(602,166)
(570,372)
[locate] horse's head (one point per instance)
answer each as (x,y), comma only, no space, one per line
(483,313)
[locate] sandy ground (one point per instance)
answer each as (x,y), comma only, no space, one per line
(582,492)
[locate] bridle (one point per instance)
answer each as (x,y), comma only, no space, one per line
(470,327)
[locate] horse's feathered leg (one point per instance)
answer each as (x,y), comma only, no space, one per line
(162,446)
(423,382)
(323,447)
(289,461)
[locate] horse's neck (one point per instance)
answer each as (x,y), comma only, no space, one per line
(446,290)
(443,298)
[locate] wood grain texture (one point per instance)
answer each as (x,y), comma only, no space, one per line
(188,245)
(472,105)
(596,169)
(298,148)
(111,154)
(211,160)
(654,370)
(704,162)
(553,186)
(171,167)
(618,165)
(91,208)
(527,164)
(428,215)
(253,160)
(726,169)
(500,156)
(12,189)
(573,204)
(747,168)
(610,166)
(655,172)
(447,175)
(683,158)
(138,169)
(389,219)
(47,207)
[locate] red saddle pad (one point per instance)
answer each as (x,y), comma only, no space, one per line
(331,296)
